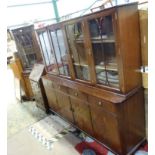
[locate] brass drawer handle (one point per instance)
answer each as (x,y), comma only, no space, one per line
(99,103)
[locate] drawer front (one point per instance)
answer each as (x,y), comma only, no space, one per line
(77,94)
(109,107)
(60,88)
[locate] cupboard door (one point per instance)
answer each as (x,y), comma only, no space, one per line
(104,50)
(75,39)
(82,116)
(64,106)
(105,127)
(61,52)
(51,97)
(48,53)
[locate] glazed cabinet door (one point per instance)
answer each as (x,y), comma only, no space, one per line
(60,49)
(82,115)
(64,106)
(47,52)
(105,126)
(103,45)
(76,43)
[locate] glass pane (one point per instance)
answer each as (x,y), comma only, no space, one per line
(48,53)
(103,44)
(76,45)
(60,52)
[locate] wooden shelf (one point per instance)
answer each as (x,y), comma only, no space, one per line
(82,64)
(108,67)
(98,40)
(103,40)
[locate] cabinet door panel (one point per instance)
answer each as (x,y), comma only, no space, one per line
(102,104)
(48,53)
(61,52)
(82,115)
(104,50)
(64,106)
(51,97)
(77,94)
(75,39)
(105,127)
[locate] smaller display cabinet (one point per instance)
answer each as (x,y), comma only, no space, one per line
(27,46)
(37,86)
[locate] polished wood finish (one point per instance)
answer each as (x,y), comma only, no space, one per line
(114,116)
(82,115)
(128,47)
(65,106)
(112,122)
(143,20)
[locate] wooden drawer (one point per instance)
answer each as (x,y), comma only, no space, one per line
(109,107)
(77,94)
(60,88)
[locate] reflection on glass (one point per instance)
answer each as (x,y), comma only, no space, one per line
(76,45)
(48,53)
(60,52)
(103,44)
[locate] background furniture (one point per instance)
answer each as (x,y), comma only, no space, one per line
(19,73)
(27,45)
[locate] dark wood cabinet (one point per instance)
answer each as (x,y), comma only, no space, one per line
(93,79)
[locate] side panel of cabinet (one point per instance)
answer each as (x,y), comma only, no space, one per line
(105,127)
(64,106)
(129,57)
(132,113)
(82,115)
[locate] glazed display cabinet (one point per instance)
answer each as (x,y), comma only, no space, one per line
(27,46)
(93,79)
